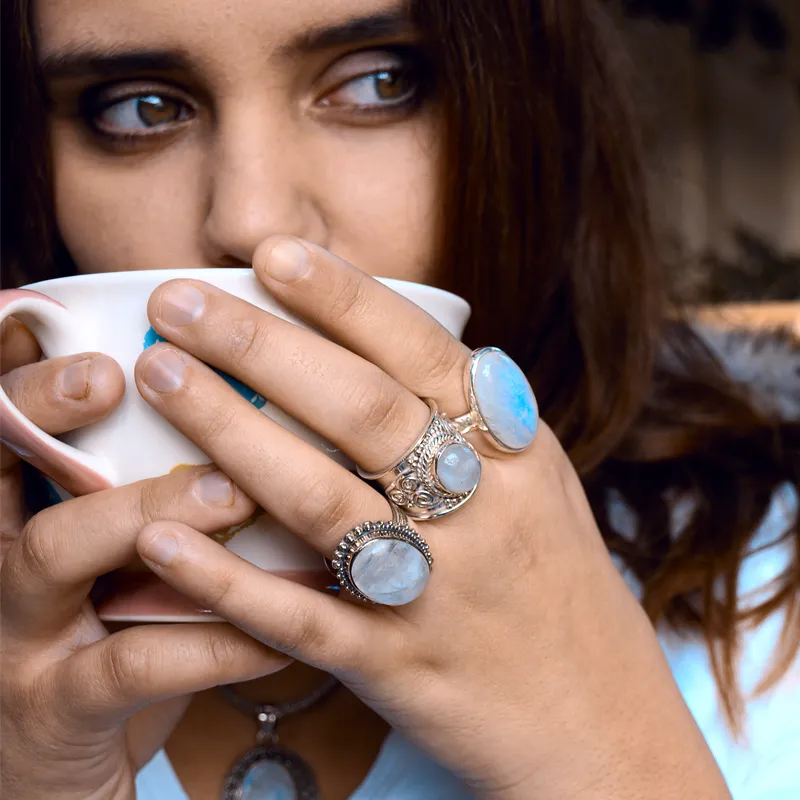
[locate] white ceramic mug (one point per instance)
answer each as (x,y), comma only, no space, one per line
(106,313)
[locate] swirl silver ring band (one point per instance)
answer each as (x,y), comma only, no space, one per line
(386,563)
(438,473)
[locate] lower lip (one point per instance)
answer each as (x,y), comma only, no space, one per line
(144,597)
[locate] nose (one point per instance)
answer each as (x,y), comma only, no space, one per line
(259,184)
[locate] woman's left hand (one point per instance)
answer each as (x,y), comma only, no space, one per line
(526,667)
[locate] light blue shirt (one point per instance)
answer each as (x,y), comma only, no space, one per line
(763,765)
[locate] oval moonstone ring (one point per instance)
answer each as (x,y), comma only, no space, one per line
(387,563)
(501,401)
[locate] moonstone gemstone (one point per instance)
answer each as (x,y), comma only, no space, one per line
(458,468)
(390,571)
(268,781)
(505,400)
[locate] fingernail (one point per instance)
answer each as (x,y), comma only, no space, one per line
(287,261)
(163,371)
(181,304)
(215,489)
(75,380)
(160,548)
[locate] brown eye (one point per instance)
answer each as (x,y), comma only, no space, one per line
(156,110)
(142,113)
(385,88)
(392,85)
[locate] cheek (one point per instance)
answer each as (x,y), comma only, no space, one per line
(383,192)
(374,191)
(116,214)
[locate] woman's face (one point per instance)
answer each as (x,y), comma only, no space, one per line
(184,132)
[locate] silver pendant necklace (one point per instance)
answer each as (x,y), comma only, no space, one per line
(267,771)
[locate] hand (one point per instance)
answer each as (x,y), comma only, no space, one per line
(526,666)
(69,690)
(58,395)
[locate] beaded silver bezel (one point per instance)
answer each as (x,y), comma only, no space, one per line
(359,537)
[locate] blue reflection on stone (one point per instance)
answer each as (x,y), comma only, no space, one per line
(505,400)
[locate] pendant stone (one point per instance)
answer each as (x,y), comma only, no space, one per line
(270,773)
(505,400)
(390,571)
(268,780)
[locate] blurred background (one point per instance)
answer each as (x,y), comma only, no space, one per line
(718,85)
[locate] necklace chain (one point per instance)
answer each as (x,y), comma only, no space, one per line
(268,714)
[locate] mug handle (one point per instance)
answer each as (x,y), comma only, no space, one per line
(76,471)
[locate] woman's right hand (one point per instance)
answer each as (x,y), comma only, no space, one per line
(83,710)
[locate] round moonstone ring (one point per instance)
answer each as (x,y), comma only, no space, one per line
(387,563)
(438,473)
(501,401)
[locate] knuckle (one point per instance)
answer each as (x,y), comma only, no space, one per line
(348,301)
(36,554)
(402,653)
(128,665)
(553,461)
(218,422)
(441,357)
(375,410)
(321,509)
(304,635)
(149,503)
(223,589)
(30,388)
(247,342)
(221,653)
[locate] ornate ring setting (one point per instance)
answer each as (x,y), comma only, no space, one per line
(438,473)
(386,563)
(501,401)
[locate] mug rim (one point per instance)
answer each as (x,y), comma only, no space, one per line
(138,276)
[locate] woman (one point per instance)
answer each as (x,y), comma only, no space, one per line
(478,145)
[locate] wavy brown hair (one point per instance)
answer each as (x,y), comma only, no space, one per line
(545,230)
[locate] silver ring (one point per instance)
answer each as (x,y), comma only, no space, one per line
(385,563)
(501,401)
(438,473)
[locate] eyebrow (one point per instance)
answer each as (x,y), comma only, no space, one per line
(79,61)
(358,30)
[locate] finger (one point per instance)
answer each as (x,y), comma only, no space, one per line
(49,570)
(127,671)
(367,317)
(300,622)
(17,345)
(62,394)
(304,489)
(349,401)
